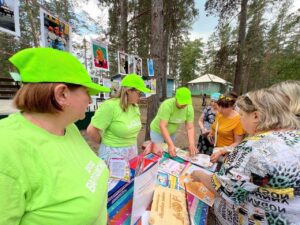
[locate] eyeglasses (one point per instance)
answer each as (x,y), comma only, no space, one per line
(248,99)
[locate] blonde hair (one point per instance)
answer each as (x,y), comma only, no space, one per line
(291,90)
(274,112)
(122,94)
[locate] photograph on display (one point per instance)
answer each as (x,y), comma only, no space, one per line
(100,56)
(123,63)
(138,65)
(150,67)
(9,17)
(55,33)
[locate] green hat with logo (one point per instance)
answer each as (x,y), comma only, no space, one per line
(183,96)
(37,65)
(134,81)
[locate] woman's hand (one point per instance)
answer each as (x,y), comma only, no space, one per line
(196,175)
(172,150)
(214,157)
(193,150)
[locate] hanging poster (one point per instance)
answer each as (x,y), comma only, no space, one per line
(55,33)
(137,65)
(122,63)
(9,17)
(150,67)
(100,55)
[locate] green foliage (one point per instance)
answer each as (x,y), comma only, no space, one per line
(190,54)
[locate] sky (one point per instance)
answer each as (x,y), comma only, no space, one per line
(203,25)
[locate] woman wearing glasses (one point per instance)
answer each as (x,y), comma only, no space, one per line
(227,130)
(117,122)
(259,182)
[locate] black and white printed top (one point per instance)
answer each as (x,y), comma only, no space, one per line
(259,182)
(209,116)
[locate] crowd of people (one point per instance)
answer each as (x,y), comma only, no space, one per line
(49,175)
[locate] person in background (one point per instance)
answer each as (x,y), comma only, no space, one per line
(117,121)
(291,90)
(205,122)
(204,100)
(48,173)
(259,181)
(171,114)
(227,130)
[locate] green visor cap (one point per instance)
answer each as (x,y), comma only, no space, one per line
(134,81)
(37,65)
(183,96)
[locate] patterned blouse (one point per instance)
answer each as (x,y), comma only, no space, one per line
(208,117)
(259,183)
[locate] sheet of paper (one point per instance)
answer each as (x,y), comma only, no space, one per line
(119,169)
(144,185)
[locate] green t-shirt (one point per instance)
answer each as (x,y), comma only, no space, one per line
(170,113)
(49,179)
(120,129)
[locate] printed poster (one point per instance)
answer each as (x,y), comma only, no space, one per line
(123,63)
(100,55)
(9,17)
(55,33)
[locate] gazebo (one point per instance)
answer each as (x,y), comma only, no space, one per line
(208,84)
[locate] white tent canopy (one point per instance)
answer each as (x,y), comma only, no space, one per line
(208,78)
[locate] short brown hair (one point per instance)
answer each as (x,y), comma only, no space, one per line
(39,97)
(272,107)
(227,100)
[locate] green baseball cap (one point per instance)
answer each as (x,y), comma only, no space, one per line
(183,96)
(37,65)
(134,81)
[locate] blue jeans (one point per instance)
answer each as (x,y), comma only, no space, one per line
(158,138)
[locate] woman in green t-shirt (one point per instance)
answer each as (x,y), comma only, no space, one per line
(117,121)
(171,114)
(48,173)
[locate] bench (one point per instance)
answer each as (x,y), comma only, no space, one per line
(8,88)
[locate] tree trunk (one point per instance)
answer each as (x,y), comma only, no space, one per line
(164,61)
(240,50)
(35,35)
(124,25)
(157,22)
